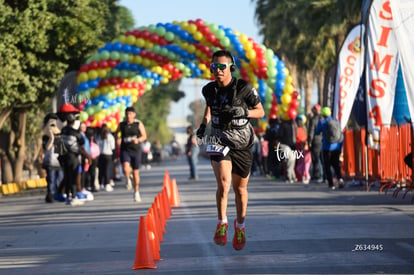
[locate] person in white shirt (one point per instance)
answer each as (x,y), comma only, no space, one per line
(106,143)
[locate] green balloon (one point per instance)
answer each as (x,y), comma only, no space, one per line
(160,31)
(169,36)
(171,56)
(105,55)
(124,57)
(152,28)
(163,52)
(156,49)
(124,74)
(115,73)
(115,55)
(225,41)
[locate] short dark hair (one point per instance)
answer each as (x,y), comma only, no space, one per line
(225,53)
(130,109)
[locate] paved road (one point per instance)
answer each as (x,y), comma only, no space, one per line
(291,229)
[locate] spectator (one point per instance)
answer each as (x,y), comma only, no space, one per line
(52,141)
(192,150)
(146,150)
(315,144)
(74,142)
(106,143)
(331,151)
(304,157)
(175,148)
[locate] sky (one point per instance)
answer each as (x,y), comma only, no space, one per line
(237,15)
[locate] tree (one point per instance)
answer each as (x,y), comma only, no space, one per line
(307,34)
(40,41)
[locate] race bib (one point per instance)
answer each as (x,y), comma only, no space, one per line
(217,150)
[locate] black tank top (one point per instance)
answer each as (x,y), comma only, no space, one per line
(128,133)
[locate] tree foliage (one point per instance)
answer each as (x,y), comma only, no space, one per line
(307,33)
(40,41)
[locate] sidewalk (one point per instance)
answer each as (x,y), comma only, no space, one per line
(291,229)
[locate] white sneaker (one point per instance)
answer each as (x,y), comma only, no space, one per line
(112,183)
(137,197)
(109,188)
(76,202)
(128,184)
(89,195)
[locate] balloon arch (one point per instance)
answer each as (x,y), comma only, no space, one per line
(123,70)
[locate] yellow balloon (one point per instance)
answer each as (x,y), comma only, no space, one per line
(83,76)
(198,35)
(92,74)
(140,42)
(286,99)
(101,73)
(243,38)
(288,80)
(137,59)
(146,62)
(149,45)
(251,54)
(192,28)
(121,39)
(288,89)
(202,66)
(130,39)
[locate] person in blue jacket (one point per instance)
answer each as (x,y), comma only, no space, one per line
(331,151)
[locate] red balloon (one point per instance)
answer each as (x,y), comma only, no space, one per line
(154,38)
(261,62)
(294,103)
(112,63)
(145,34)
(93,65)
(199,22)
(84,68)
(274,109)
(103,64)
(291,113)
(295,94)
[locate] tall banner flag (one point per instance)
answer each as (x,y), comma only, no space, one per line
(348,74)
(329,87)
(381,70)
(403,15)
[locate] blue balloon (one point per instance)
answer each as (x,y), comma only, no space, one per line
(135,50)
(126,48)
(280,65)
(117,46)
(83,86)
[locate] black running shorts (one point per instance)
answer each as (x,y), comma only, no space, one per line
(241,161)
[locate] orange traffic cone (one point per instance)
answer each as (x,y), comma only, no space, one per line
(166,203)
(143,254)
(153,235)
(166,183)
(175,198)
(157,220)
(163,220)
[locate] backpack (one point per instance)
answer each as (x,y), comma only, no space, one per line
(59,146)
(333,131)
